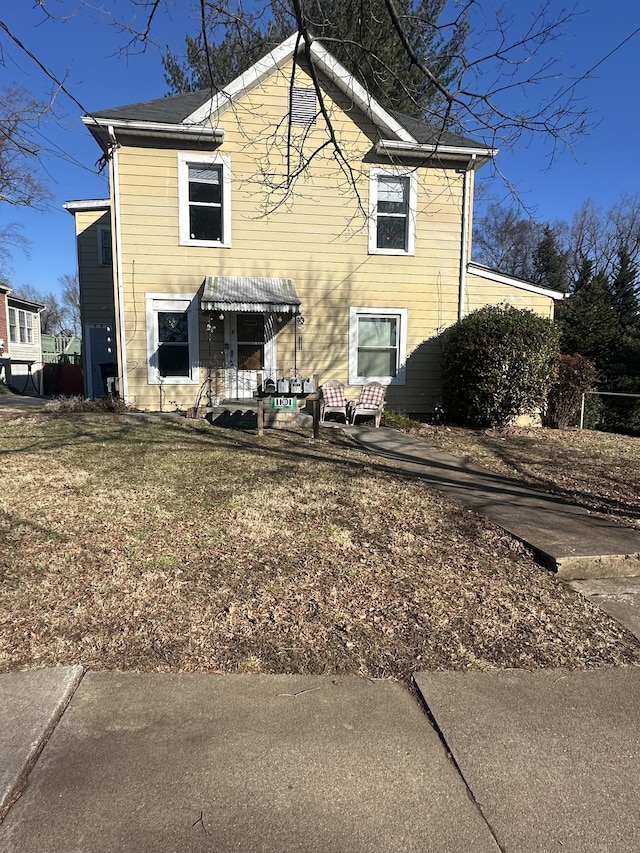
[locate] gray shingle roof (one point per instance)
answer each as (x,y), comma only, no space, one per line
(175,109)
(427,134)
(170,110)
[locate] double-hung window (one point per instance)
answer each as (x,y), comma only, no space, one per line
(13,325)
(377,345)
(204,186)
(392,212)
(20,326)
(172,330)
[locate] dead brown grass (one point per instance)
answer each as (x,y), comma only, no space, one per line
(133,544)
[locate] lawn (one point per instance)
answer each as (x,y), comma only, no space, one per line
(132,543)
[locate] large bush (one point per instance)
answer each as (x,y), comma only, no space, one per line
(497,363)
(576,374)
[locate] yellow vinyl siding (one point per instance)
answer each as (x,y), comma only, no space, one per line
(96,280)
(482,291)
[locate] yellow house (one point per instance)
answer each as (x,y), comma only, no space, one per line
(288,226)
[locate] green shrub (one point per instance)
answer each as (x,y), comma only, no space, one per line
(497,363)
(396,420)
(576,374)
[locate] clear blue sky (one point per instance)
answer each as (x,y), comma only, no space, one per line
(83,50)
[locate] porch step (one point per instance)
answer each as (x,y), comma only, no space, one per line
(245,416)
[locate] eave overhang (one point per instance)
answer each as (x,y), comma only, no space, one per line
(81,205)
(423,151)
(103,128)
(26,304)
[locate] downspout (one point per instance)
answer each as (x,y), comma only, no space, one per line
(124,386)
(466,201)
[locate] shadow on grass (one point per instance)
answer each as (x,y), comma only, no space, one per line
(123,443)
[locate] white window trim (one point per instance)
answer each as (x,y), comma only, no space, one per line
(374,174)
(402,315)
(184,161)
(155,302)
(23,319)
(101,230)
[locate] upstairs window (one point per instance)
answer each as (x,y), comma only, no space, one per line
(392,208)
(205,202)
(20,326)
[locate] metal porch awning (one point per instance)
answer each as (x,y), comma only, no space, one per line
(249,293)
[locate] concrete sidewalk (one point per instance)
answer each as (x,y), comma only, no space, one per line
(566,538)
(497,761)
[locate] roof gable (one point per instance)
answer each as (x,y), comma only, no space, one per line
(324,62)
(193,113)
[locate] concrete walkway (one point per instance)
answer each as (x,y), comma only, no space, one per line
(15,405)
(495,761)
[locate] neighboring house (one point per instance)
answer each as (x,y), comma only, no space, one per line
(207,267)
(20,347)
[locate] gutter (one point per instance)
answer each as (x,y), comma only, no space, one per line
(464,249)
(82,205)
(119,272)
(426,149)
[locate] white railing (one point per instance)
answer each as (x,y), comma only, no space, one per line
(601,394)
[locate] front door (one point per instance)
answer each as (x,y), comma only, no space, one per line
(250,346)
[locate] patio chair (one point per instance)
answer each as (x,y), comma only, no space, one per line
(370,403)
(333,400)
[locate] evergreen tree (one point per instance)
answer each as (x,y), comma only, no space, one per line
(584,277)
(625,360)
(623,291)
(218,61)
(551,263)
(359,33)
(589,325)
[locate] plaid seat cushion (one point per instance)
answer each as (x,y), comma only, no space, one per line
(333,395)
(371,397)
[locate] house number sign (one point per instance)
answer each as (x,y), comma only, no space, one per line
(284,403)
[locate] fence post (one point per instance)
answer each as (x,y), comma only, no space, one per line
(260,415)
(582,411)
